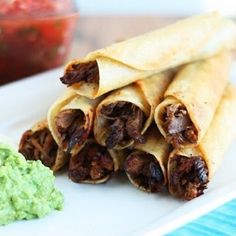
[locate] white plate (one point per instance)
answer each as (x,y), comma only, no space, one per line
(115,208)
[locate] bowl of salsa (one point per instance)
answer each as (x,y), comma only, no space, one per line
(34,36)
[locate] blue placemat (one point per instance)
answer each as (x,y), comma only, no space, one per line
(221,221)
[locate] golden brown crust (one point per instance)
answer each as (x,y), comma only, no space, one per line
(217,139)
(198,87)
(145,95)
(202,36)
(71,102)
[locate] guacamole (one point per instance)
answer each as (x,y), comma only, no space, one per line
(26,188)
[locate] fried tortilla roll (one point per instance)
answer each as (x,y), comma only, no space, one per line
(146,164)
(124,116)
(94,164)
(123,63)
(185,114)
(38,144)
(191,168)
(70,120)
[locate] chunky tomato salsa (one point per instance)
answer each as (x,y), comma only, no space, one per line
(34,36)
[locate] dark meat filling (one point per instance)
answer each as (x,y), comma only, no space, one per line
(39,145)
(125,121)
(179,127)
(70,125)
(145,170)
(86,72)
(188,177)
(93,162)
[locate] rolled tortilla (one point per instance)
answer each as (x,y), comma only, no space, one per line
(70,120)
(123,63)
(38,144)
(191,168)
(95,164)
(147,163)
(185,114)
(124,116)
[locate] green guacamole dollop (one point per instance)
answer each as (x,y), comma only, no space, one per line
(26,188)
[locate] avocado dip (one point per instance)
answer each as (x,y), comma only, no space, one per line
(26,188)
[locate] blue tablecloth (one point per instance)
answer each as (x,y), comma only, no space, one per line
(221,221)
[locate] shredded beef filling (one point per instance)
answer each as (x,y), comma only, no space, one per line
(145,170)
(39,145)
(125,121)
(70,125)
(93,162)
(188,177)
(86,72)
(179,127)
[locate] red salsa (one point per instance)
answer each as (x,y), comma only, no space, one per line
(34,36)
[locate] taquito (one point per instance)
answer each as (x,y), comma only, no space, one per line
(37,143)
(123,63)
(191,168)
(123,117)
(146,165)
(70,120)
(186,112)
(95,164)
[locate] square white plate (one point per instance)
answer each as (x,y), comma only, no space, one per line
(115,208)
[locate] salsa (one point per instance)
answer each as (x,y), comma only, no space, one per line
(35,8)
(34,36)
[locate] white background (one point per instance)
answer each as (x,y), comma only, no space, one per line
(155,7)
